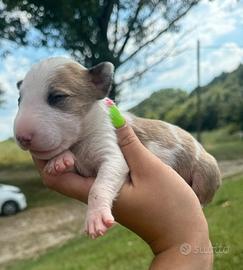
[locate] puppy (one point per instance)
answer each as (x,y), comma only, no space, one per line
(62,118)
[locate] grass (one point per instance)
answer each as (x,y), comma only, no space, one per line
(118,250)
(226,151)
(224,216)
(11,155)
(122,250)
(223,144)
(16,168)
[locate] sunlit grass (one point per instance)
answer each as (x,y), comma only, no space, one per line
(122,250)
(12,155)
(223,144)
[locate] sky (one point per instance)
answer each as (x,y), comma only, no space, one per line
(217,24)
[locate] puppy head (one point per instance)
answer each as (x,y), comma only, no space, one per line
(55,96)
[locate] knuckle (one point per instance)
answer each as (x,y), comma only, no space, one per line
(127,140)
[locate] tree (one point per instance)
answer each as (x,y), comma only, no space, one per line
(94,30)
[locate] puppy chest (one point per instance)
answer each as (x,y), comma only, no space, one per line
(86,167)
(87,160)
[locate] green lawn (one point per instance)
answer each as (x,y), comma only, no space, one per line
(225,220)
(223,144)
(12,156)
(226,151)
(118,250)
(16,168)
(122,250)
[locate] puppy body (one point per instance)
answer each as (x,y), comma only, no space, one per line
(61,108)
(97,154)
(178,149)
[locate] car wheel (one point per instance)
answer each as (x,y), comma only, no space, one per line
(9,208)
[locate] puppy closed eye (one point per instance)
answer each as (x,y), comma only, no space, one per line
(56,99)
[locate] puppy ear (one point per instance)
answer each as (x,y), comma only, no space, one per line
(102,77)
(18,84)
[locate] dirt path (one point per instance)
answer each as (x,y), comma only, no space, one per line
(33,231)
(231,167)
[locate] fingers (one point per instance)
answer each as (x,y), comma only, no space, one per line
(69,184)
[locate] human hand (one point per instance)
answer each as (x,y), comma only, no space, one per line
(155,203)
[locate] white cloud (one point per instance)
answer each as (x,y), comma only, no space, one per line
(12,70)
(207,22)
(226,59)
(210,20)
(6,126)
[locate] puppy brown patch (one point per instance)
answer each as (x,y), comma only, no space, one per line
(153,130)
(74,82)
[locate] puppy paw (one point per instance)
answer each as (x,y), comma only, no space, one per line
(98,221)
(60,164)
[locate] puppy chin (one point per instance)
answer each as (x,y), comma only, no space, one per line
(46,155)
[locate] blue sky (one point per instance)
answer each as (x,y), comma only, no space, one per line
(218,25)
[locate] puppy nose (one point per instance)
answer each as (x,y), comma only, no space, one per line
(24,140)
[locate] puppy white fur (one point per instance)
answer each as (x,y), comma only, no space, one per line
(61,108)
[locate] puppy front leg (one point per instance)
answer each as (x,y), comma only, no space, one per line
(108,182)
(64,162)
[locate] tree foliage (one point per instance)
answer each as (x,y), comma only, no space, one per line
(92,30)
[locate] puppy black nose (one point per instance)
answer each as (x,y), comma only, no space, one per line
(24,140)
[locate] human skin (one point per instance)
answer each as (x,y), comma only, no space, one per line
(155,203)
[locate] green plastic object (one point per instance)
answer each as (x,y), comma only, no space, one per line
(116,117)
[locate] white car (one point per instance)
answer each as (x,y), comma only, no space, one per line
(12,200)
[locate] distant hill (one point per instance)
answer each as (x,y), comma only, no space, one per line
(222,104)
(159,103)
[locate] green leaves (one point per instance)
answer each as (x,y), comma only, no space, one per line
(93,31)
(86,26)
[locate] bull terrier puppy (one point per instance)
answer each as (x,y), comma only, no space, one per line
(62,118)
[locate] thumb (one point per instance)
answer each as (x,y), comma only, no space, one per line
(138,157)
